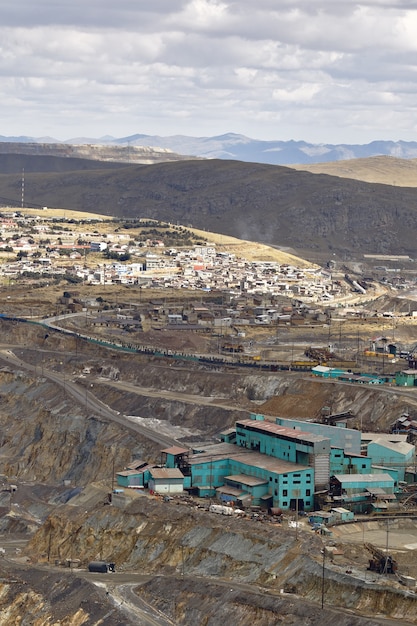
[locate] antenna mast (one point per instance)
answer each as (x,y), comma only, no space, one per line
(23,187)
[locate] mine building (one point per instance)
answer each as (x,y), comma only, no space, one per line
(342,462)
(289,444)
(340,436)
(362,491)
(246,476)
(284,464)
(165,480)
(406,378)
(396,456)
(135,475)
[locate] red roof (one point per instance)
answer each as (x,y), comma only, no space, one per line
(175,450)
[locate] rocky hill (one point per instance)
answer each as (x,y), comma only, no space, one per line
(208,571)
(275,205)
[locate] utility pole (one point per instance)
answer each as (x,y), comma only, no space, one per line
(211,475)
(297,493)
(296,518)
(386,550)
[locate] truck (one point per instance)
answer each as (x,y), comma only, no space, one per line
(101,567)
(221,509)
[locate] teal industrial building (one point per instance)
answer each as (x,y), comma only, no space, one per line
(393,456)
(250,477)
(280,464)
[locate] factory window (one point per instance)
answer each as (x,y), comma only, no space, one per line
(308,492)
(270,479)
(285,475)
(285,492)
(297,475)
(337,456)
(276,480)
(285,482)
(296,482)
(307,502)
(363,466)
(276,492)
(285,504)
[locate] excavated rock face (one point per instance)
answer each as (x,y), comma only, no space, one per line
(185,547)
(187,602)
(30,595)
(46,437)
(275,394)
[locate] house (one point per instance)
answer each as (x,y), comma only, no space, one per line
(327,372)
(166,480)
(340,514)
(98,246)
(317,518)
(337,514)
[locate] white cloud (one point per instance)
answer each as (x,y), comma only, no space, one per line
(320,70)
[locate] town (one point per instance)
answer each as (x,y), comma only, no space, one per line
(249,308)
(81,250)
(45,247)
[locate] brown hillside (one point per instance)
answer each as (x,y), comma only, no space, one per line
(279,206)
(385,170)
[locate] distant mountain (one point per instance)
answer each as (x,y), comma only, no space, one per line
(103,152)
(241,148)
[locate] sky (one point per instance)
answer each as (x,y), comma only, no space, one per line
(323,71)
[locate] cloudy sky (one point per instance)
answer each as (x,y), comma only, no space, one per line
(320,70)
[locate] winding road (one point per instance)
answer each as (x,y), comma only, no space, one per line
(85,397)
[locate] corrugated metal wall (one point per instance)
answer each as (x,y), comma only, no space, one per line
(321,464)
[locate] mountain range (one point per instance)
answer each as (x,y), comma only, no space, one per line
(238,147)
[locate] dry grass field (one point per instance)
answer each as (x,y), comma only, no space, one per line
(49,213)
(379,169)
(250,250)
